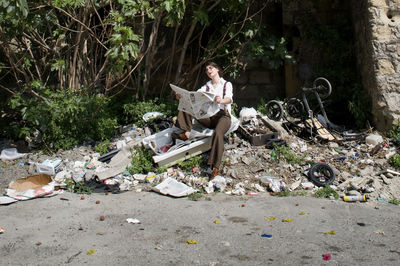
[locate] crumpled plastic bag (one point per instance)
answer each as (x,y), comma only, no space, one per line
(219,182)
(274,184)
(247,114)
(11,154)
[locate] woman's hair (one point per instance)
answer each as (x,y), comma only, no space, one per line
(213,64)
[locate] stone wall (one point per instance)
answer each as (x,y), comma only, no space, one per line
(256,83)
(377,27)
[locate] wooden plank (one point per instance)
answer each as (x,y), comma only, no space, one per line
(322,132)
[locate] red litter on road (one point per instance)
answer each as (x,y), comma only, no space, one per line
(326,256)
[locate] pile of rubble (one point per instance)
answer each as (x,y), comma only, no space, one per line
(359,168)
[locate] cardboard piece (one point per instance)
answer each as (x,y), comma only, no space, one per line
(31,187)
(30,182)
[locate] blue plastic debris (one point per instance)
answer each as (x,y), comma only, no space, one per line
(267,236)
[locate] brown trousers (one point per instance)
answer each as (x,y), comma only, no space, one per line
(220,122)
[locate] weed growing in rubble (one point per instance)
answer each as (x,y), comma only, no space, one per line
(196,196)
(285,193)
(141,161)
(394,201)
(79,187)
(395,133)
(284,152)
(395,160)
(326,192)
(102,147)
(191,163)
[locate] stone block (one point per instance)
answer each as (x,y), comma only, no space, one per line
(378,3)
(385,67)
(382,32)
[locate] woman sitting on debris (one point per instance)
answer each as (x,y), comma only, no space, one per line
(220,122)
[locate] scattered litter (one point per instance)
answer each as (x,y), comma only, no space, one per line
(91,251)
(151,115)
(173,188)
(361,224)
(219,183)
(332,232)
(133,221)
(101,218)
(273,183)
(216,221)
(373,139)
(191,242)
(2,230)
(31,187)
(271,218)
(48,167)
(287,220)
(225,244)
(361,198)
(302,213)
(380,233)
(11,154)
(4,200)
(267,236)
(326,256)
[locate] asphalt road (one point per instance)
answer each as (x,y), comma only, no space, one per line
(67,230)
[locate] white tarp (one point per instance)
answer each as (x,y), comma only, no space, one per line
(198,104)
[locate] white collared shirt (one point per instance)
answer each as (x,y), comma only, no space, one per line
(219,90)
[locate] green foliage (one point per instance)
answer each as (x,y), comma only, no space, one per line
(196,196)
(270,49)
(360,107)
(64,120)
(79,187)
(395,160)
(134,111)
(102,147)
(141,161)
(394,201)
(326,192)
(190,163)
(285,153)
(394,133)
(235,110)
(261,107)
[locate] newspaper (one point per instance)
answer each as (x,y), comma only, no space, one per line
(199,104)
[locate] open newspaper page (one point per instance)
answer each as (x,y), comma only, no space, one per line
(198,104)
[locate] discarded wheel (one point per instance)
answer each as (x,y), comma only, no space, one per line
(274,110)
(294,108)
(323,87)
(321,174)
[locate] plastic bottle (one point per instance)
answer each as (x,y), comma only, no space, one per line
(355,198)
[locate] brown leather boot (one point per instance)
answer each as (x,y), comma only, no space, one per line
(214,173)
(180,136)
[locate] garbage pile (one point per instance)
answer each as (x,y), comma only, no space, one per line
(269,160)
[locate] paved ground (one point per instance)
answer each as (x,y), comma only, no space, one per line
(56,231)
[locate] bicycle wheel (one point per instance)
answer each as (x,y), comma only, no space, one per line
(274,110)
(294,108)
(323,87)
(321,174)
